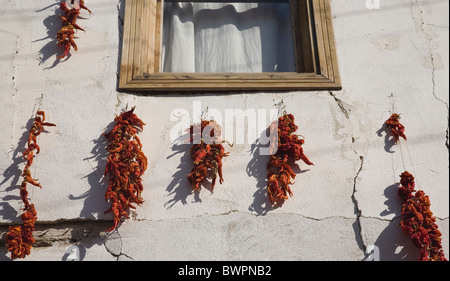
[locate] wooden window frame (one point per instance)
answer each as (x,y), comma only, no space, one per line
(315,55)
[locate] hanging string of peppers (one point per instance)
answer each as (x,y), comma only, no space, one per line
(66,34)
(397,129)
(207,153)
(418,221)
(289,149)
(19,239)
(125,165)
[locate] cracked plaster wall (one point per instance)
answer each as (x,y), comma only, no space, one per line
(392,59)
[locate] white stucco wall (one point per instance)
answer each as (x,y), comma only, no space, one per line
(394,59)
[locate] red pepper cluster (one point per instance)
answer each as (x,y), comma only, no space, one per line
(207,153)
(125,166)
(19,239)
(66,34)
(418,221)
(397,129)
(289,149)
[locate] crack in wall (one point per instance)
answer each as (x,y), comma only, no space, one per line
(15,90)
(448,124)
(113,245)
(14,84)
(13,60)
(341,105)
(357,227)
(244,212)
(358,211)
(419,20)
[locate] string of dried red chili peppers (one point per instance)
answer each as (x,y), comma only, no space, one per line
(65,36)
(289,148)
(397,129)
(207,154)
(418,221)
(125,166)
(19,239)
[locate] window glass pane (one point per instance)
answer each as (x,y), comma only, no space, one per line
(227,37)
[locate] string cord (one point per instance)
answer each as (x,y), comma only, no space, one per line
(393,110)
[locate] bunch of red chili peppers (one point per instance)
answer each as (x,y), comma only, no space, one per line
(289,149)
(65,36)
(207,153)
(125,166)
(418,221)
(397,129)
(19,239)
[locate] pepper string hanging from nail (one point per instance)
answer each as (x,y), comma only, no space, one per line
(207,153)
(19,239)
(66,34)
(125,165)
(397,129)
(418,221)
(289,148)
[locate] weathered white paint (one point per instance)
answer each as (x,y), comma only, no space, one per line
(391,59)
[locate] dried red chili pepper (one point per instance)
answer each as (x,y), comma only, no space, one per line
(418,221)
(207,154)
(289,148)
(65,36)
(19,239)
(82,6)
(125,166)
(397,129)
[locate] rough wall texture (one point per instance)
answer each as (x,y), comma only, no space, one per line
(394,59)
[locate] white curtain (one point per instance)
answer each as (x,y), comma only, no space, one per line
(227,37)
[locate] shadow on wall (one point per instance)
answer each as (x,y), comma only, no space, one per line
(94,198)
(393,245)
(389,139)
(257,168)
(180,187)
(85,236)
(13,173)
(51,48)
(53,25)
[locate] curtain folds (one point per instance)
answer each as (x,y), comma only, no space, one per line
(227,37)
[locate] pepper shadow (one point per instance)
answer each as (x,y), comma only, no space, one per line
(4,254)
(13,174)
(180,187)
(393,244)
(94,201)
(389,139)
(257,168)
(393,204)
(51,48)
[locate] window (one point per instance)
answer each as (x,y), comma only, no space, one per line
(227,37)
(184,46)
